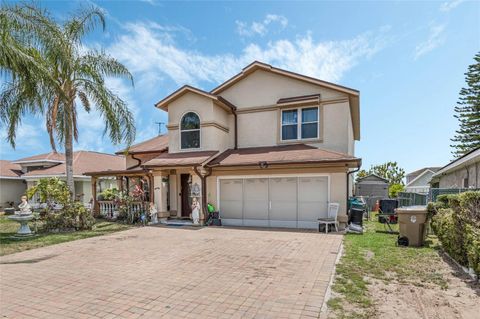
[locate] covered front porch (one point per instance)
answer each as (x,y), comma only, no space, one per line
(171,190)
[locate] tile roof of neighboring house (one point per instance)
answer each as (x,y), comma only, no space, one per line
(284,154)
(83,161)
(181,159)
(153,145)
(420,171)
(47,157)
(9,169)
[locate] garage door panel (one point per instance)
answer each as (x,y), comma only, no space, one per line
(275,201)
(255,200)
(283,202)
(313,199)
(231,205)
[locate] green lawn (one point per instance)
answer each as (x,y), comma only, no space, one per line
(10,246)
(375,255)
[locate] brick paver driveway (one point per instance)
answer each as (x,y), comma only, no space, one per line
(156,272)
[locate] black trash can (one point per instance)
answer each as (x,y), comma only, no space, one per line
(356,216)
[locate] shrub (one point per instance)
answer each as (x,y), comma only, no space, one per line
(73,216)
(394,189)
(458,227)
(109,194)
(50,191)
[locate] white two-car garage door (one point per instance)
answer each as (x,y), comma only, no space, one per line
(291,201)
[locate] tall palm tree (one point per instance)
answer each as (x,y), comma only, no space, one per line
(48,71)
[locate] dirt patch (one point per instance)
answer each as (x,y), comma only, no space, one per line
(461,299)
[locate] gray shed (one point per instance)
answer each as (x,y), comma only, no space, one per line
(373,187)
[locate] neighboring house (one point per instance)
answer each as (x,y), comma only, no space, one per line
(32,169)
(373,188)
(460,173)
(419,180)
(12,186)
(268,147)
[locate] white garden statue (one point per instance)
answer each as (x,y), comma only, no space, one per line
(195,211)
(153,213)
(24,207)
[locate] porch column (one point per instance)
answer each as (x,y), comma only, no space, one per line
(94,195)
(119,183)
(160,189)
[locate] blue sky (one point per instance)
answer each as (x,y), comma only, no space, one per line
(407,58)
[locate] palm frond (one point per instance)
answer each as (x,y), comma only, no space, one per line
(84,22)
(99,64)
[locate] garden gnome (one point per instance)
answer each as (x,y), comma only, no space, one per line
(195,211)
(24,206)
(153,213)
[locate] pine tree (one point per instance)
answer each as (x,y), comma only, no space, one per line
(467,111)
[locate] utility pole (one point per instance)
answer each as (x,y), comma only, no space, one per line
(160,127)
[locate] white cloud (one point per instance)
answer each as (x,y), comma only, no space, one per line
(30,139)
(450,5)
(152,53)
(260,27)
(435,39)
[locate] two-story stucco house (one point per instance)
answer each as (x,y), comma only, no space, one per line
(268,147)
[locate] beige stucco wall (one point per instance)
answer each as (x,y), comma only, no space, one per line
(455,178)
(211,137)
(263,128)
(265,88)
(258,129)
(85,188)
(11,190)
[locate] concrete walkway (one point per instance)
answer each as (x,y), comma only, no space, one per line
(160,272)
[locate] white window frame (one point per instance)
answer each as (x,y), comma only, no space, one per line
(192,130)
(299,123)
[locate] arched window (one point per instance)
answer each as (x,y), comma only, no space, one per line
(190,131)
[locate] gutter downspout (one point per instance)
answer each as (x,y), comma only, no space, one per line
(203,179)
(139,161)
(348,181)
(236,130)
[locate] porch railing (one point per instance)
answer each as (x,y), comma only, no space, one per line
(111,209)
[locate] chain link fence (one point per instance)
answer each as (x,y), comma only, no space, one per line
(411,199)
(434,192)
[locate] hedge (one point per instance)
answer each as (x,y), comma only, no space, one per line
(456,222)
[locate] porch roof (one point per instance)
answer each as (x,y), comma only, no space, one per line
(120,172)
(180,159)
(157,144)
(284,154)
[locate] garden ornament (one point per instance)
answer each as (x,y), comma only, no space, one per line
(195,211)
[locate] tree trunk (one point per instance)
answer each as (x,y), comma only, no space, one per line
(69,159)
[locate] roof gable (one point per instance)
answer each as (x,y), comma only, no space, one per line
(372,178)
(163,104)
(257,65)
(353,95)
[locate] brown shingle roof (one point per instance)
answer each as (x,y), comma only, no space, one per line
(9,169)
(84,161)
(181,159)
(52,156)
(285,154)
(156,144)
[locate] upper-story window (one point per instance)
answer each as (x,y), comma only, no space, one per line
(300,123)
(190,131)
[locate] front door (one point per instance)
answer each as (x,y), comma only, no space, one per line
(185,183)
